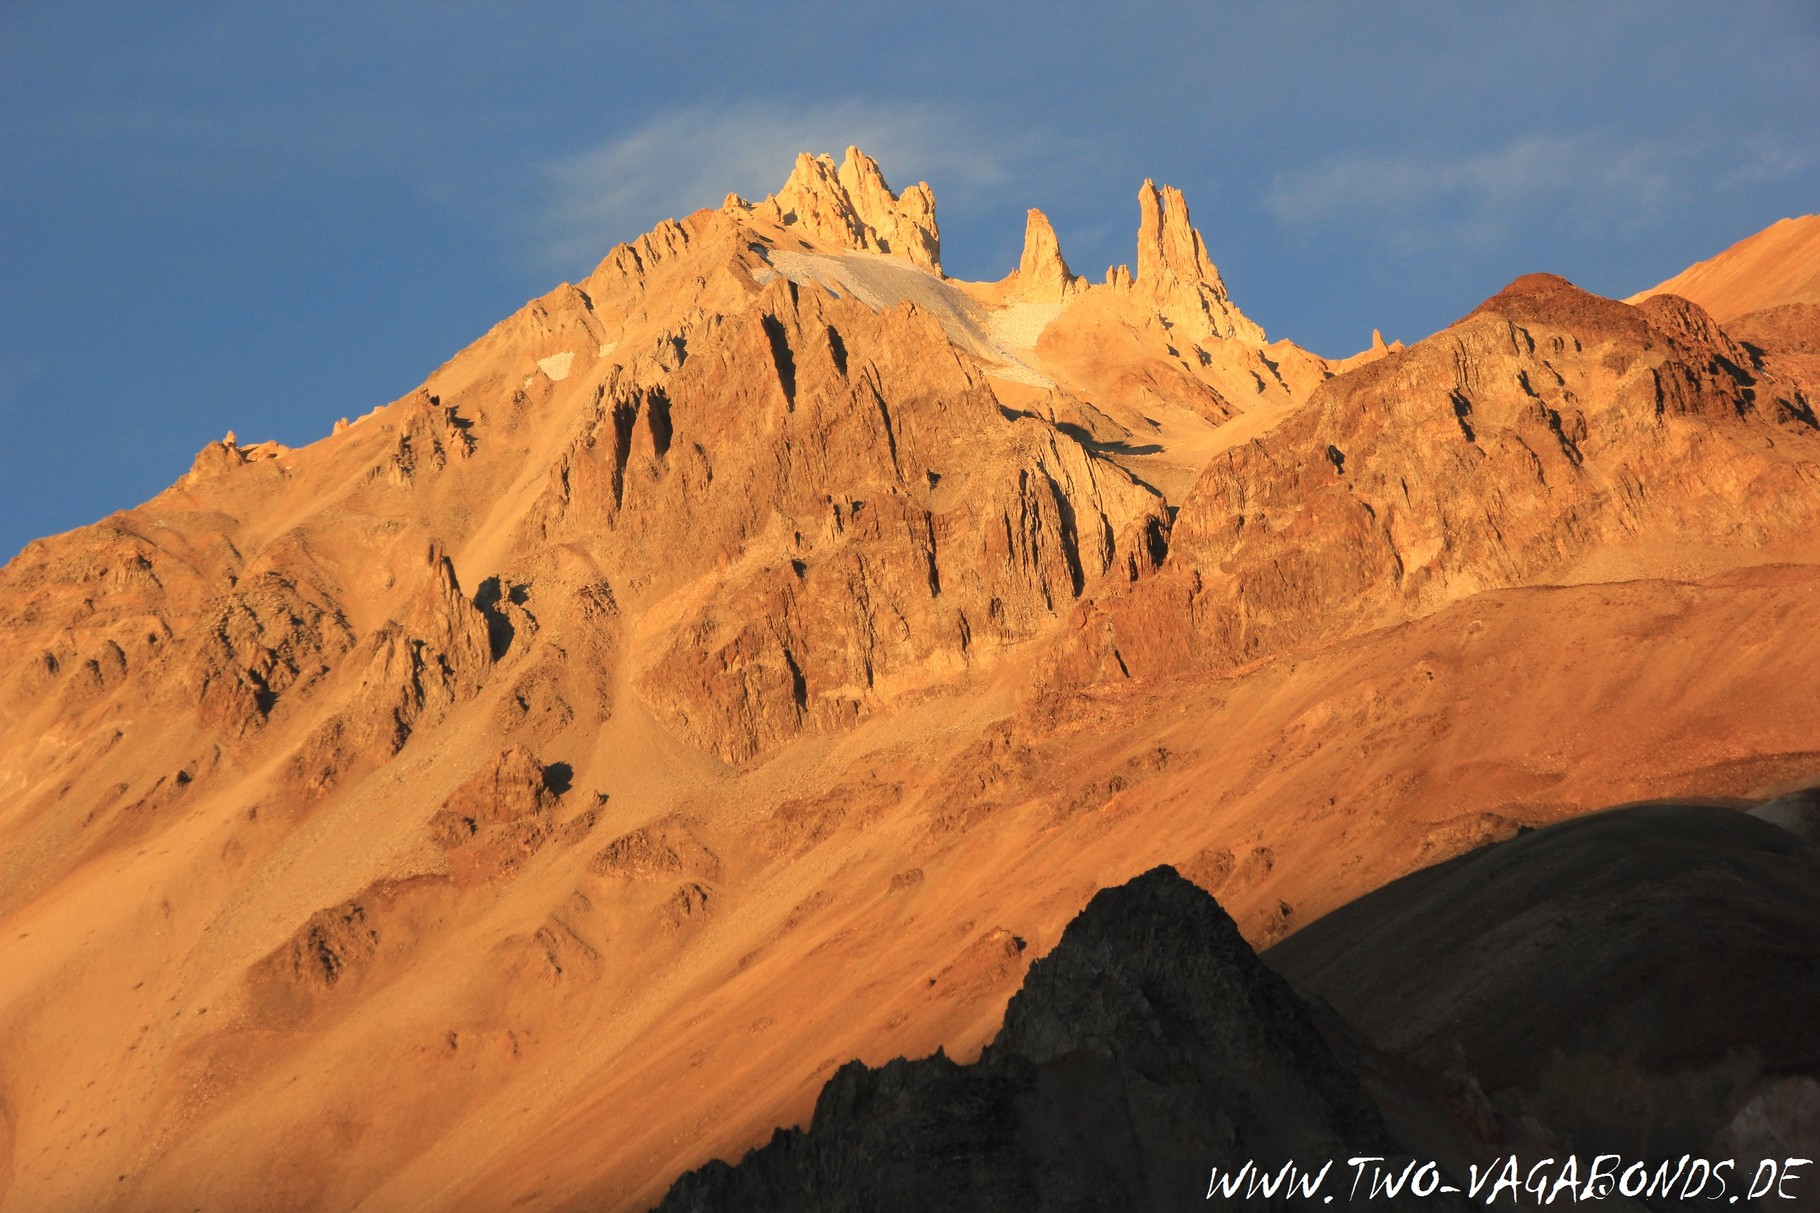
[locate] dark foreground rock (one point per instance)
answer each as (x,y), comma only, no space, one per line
(1644,981)
(1150,1046)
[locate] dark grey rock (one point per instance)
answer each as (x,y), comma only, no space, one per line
(1150,1046)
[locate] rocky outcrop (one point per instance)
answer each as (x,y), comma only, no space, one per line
(511,788)
(1177,278)
(851,207)
(429,435)
(408,673)
(269,639)
(499,817)
(1148,1048)
(1547,424)
(451,628)
(1042,275)
(419,668)
(664,850)
(867,514)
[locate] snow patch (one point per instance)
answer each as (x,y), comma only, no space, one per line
(556,366)
(1018,326)
(882,282)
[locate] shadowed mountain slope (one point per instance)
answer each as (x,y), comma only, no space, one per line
(1644,981)
(1640,982)
(1148,1046)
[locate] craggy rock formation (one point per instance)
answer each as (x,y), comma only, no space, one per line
(500,817)
(1547,429)
(1175,275)
(867,512)
(1042,275)
(852,207)
(1150,1046)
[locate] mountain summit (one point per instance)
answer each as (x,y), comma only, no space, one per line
(852,207)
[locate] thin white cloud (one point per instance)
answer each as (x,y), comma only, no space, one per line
(685,159)
(17,375)
(1764,159)
(1418,204)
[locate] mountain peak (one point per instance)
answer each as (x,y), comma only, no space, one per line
(1175,274)
(851,205)
(1042,275)
(1779,265)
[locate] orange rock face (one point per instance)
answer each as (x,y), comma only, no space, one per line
(1550,436)
(749,657)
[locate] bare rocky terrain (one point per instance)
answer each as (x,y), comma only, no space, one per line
(1639,983)
(750,658)
(1149,1041)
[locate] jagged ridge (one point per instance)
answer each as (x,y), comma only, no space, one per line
(1150,1045)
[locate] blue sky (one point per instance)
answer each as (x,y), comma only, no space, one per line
(264,217)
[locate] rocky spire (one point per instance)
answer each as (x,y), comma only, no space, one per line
(1042,275)
(851,206)
(1175,274)
(453,627)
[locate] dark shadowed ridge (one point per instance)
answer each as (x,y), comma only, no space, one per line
(1148,1047)
(1644,980)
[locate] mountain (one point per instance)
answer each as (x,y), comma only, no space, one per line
(1779,265)
(749,658)
(1516,996)
(1150,1041)
(1765,289)
(1640,981)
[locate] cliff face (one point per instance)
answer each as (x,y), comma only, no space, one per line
(770,613)
(1549,436)
(849,510)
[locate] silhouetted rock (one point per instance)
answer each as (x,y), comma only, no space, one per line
(1150,1046)
(1644,981)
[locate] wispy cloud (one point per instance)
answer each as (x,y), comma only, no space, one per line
(689,158)
(17,375)
(1417,204)
(1763,159)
